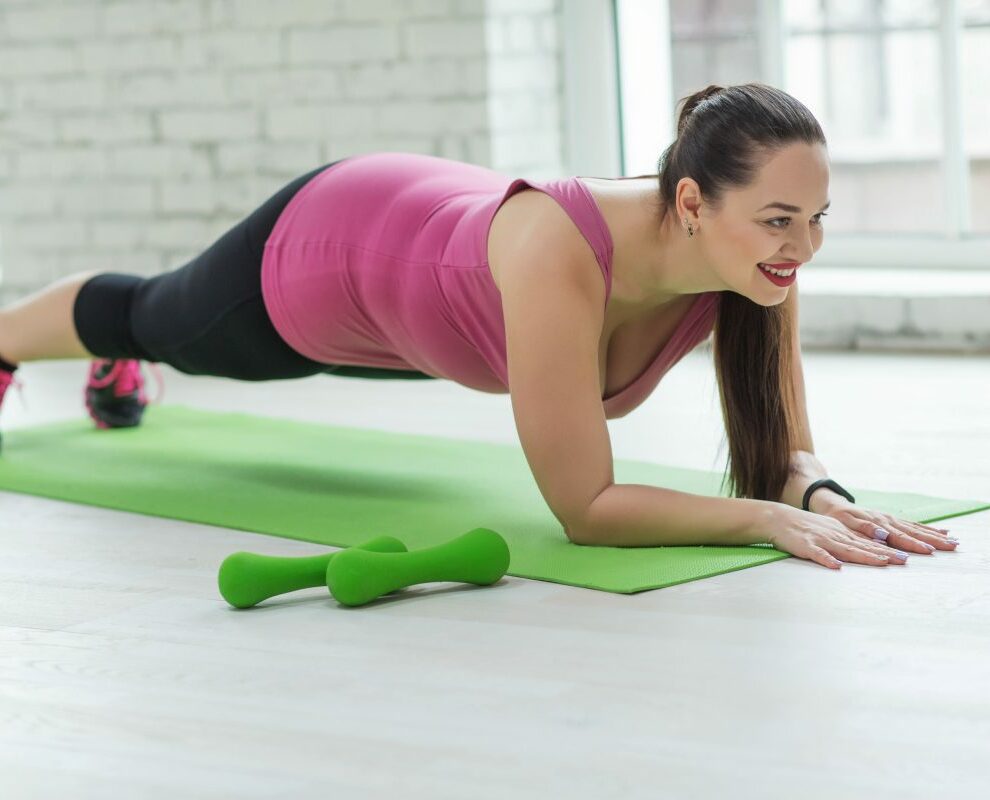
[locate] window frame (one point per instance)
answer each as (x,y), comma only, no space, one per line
(595,92)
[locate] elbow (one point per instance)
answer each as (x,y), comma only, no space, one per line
(580,528)
(579,538)
(575,536)
(579,532)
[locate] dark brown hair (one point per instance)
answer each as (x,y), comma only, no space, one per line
(724,136)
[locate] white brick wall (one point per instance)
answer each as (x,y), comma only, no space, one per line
(525,87)
(133,133)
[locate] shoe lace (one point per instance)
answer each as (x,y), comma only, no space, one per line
(125,375)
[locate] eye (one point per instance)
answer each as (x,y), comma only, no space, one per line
(788,219)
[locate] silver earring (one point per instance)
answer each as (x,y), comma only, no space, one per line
(690,229)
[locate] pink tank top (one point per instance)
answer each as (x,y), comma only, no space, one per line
(381,261)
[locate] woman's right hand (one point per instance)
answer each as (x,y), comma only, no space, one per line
(824,540)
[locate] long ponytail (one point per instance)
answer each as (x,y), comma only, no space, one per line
(724,136)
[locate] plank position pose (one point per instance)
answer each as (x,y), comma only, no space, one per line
(574,295)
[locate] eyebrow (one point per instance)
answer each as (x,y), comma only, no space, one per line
(792,209)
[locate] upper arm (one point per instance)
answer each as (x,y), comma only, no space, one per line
(552,301)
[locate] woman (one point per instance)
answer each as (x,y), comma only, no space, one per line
(402,265)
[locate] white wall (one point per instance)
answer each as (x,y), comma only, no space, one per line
(133,134)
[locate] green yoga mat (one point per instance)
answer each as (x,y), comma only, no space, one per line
(341,486)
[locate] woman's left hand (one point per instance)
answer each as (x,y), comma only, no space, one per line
(913,537)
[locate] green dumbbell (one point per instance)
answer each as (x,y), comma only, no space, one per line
(356,577)
(245,579)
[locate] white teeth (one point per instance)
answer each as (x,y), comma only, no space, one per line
(781,272)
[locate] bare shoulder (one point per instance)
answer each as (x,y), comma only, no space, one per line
(531,222)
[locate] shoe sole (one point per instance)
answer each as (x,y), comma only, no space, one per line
(107,420)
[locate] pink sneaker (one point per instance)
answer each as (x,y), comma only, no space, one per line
(114,392)
(6,381)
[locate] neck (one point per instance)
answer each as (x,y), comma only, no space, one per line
(654,264)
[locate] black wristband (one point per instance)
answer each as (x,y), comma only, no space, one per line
(828,483)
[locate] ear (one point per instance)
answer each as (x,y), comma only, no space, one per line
(687,197)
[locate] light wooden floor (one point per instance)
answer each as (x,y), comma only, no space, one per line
(124,674)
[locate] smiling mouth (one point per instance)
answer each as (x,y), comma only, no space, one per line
(782,270)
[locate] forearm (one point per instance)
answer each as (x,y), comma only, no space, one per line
(806,469)
(635,515)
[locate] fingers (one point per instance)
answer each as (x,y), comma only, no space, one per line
(907,536)
(896,556)
(839,552)
(929,535)
(913,537)
(821,556)
(931,528)
(858,543)
(858,554)
(835,552)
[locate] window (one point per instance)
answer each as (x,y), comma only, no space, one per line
(898,85)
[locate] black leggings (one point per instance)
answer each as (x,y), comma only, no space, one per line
(206,317)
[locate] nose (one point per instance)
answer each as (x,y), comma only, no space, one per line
(802,244)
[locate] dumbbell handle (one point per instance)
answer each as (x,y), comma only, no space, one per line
(245,579)
(356,577)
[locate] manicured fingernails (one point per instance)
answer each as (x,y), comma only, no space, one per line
(901,555)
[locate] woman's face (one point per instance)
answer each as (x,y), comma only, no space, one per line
(744,233)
